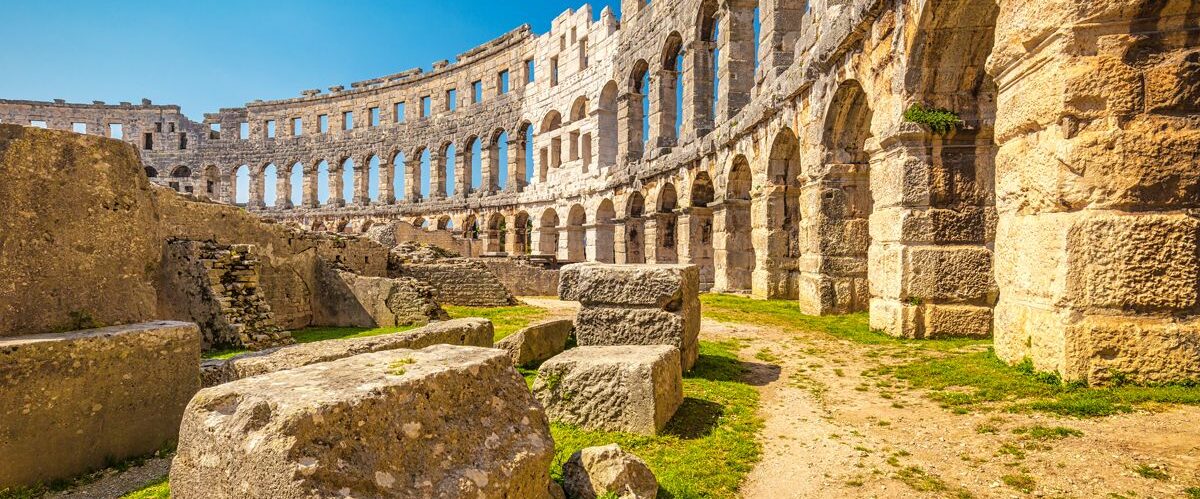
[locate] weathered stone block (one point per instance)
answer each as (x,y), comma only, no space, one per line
(468,332)
(74,402)
(595,471)
(606,326)
(661,286)
(1138,262)
(1144,350)
(537,342)
(381,424)
(349,299)
(617,388)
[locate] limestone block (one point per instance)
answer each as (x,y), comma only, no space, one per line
(633,389)
(941,321)
(929,225)
(960,274)
(468,332)
(445,421)
(662,286)
(1143,350)
(537,342)
(74,402)
(606,326)
(350,299)
(595,471)
(1134,262)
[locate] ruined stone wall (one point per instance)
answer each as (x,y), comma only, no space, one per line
(459,281)
(805,180)
(522,278)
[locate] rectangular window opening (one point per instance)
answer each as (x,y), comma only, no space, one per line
(399,112)
(323,123)
(182,141)
(502,82)
(426,106)
(148,141)
(158,127)
(38,123)
(270,126)
(553,71)
(374,114)
(79,127)
(297,127)
(529,71)
(244,130)
(348,120)
(476,92)
(451,99)
(116,131)
(583,53)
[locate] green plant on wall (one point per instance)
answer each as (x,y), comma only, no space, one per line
(941,121)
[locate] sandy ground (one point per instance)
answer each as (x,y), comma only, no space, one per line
(825,436)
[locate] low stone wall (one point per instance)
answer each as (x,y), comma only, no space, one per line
(74,402)
(522,278)
(348,299)
(469,332)
(459,281)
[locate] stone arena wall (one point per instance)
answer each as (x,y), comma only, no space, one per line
(1050,211)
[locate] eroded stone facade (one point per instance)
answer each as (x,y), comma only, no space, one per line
(1059,215)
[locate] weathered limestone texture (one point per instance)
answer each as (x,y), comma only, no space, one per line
(636,305)
(522,278)
(75,402)
(445,421)
(216,287)
(461,282)
(464,332)
(349,299)
(633,389)
(537,342)
(595,471)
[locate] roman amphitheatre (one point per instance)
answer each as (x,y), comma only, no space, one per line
(736,248)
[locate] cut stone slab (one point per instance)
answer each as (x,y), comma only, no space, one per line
(537,342)
(444,421)
(469,332)
(634,389)
(595,471)
(363,301)
(73,402)
(636,305)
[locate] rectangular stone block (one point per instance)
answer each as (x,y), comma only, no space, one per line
(633,389)
(74,402)
(537,342)
(958,274)
(607,326)
(661,286)
(943,321)
(468,332)
(1102,348)
(445,421)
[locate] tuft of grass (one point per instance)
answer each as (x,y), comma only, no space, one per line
(940,121)
(766,355)
(397,368)
(921,480)
(1192,492)
(1043,433)
(1022,482)
(159,489)
(1151,472)
(710,445)
(505,320)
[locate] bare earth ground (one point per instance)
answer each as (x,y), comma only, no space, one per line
(827,436)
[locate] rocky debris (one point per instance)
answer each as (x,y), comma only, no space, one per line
(636,305)
(414,252)
(595,471)
(537,342)
(350,299)
(470,332)
(445,421)
(74,402)
(626,388)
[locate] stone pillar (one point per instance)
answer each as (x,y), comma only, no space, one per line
(256,187)
(620,236)
(412,179)
(733,253)
(776,242)
(630,144)
(662,238)
(387,183)
(736,66)
(491,241)
(437,175)
(696,242)
(633,241)
(697,92)
(336,186)
(662,108)
(489,164)
(516,164)
(571,243)
(462,171)
(1097,178)
(779,30)
(514,242)
(832,237)
(545,239)
(283,189)
(309,190)
(601,245)
(362,181)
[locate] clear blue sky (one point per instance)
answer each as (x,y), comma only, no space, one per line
(222,53)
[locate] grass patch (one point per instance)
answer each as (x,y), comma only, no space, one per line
(314,334)
(506,320)
(159,489)
(1192,492)
(1151,472)
(1043,433)
(708,447)
(1022,482)
(976,379)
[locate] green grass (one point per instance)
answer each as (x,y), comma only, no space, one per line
(976,380)
(506,320)
(159,489)
(1022,482)
(1150,472)
(708,447)
(312,334)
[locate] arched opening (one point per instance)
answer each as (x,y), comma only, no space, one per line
(497,171)
(607,125)
(576,250)
(181,172)
(669,107)
(470,227)
(526,162)
(426,173)
(735,251)
(579,109)
(604,238)
(398,172)
(550,152)
(270,177)
(373,180)
(699,228)
(548,234)
(474,162)
(348,181)
(213,189)
(579,143)
(241,184)
(703,79)
(296,182)
(151,172)
(523,232)
(444,222)
(323,179)
(664,226)
(446,169)
(635,121)
(635,229)
(782,197)
(496,233)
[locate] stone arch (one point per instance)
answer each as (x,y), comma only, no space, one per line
(604,239)
(550,152)
(636,118)
(399,174)
(422,174)
(181,171)
(635,228)
(472,165)
(548,232)
(496,233)
(470,226)
(733,251)
(663,226)
(444,222)
(524,164)
(776,268)
(579,108)
(324,183)
(697,228)
(268,183)
(576,249)
(667,106)
(522,232)
(496,174)
(241,179)
(151,172)
(607,128)
(375,178)
(447,164)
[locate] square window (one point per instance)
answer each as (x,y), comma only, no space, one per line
(297,127)
(477,92)
(374,113)
(399,112)
(348,120)
(37,123)
(171,127)
(451,99)
(116,131)
(323,123)
(270,129)
(79,127)
(553,71)
(244,131)
(502,82)
(426,106)
(158,127)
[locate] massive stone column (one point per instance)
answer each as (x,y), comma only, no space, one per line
(412,178)
(695,245)
(309,191)
(662,108)
(489,163)
(283,189)
(336,186)
(833,240)
(735,68)
(661,238)
(256,187)
(774,237)
(387,182)
(779,30)
(630,114)
(516,164)
(1098,183)
(698,91)
(462,170)
(362,181)
(437,175)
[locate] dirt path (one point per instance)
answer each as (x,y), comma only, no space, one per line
(830,431)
